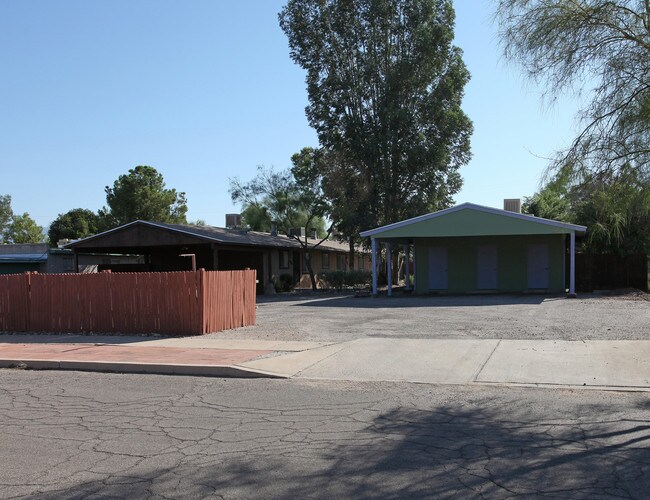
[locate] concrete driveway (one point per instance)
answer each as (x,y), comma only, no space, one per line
(592,341)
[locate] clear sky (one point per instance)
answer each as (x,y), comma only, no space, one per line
(204,90)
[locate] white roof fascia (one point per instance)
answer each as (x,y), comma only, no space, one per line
(480,208)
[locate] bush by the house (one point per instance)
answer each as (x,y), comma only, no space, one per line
(283,283)
(344,279)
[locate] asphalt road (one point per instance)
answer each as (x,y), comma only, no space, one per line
(91,435)
(336,318)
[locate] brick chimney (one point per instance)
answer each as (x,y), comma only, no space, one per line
(512,205)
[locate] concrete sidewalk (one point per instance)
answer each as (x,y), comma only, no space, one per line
(581,364)
(595,364)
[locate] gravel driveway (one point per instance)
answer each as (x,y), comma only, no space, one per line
(339,318)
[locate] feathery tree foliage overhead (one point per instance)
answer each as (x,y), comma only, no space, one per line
(601,50)
(274,197)
(385,85)
(289,199)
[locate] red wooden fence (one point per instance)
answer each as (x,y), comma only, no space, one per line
(179,303)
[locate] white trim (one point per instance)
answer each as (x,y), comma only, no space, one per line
(374,266)
(572,271)
(389,270)
(407,270)
(415,274)
(479,208)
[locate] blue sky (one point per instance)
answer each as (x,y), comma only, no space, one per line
(204,90)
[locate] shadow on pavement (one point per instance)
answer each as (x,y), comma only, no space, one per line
(68,338)
(398,302)
(405,453)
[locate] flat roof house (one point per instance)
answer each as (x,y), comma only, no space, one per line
(29,257)
(471,248)
(162,247)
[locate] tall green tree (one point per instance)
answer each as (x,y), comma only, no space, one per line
(23,229)
(74,224)
(599,49)
(385,85)
(141,194)
(6,213)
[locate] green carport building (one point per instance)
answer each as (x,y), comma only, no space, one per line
(471,248)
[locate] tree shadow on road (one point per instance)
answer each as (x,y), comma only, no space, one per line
(449,451)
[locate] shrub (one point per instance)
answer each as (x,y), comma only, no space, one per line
(332,279)
(358,278)
(340,279)
(283,283)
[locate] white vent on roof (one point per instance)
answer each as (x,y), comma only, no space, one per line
(233,221)
(512,205)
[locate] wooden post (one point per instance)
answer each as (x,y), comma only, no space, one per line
(199,287)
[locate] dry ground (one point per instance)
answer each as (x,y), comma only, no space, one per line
(338,318)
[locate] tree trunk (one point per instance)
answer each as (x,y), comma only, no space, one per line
(310,270)
(396,267)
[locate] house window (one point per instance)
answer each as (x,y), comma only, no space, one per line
(325,260)
(360,262)
(284,259)
(340,262)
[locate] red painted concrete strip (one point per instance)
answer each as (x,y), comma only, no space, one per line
(127,354)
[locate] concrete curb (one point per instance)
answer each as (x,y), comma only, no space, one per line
(226,371)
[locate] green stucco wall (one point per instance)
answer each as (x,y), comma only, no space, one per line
(512,262)
(470,222)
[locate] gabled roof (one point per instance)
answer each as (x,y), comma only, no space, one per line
(468,219)
(220,235)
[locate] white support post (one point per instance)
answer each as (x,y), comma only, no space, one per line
(572,267)
(374,266)
(407,267)
(389,269)
(415,274)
